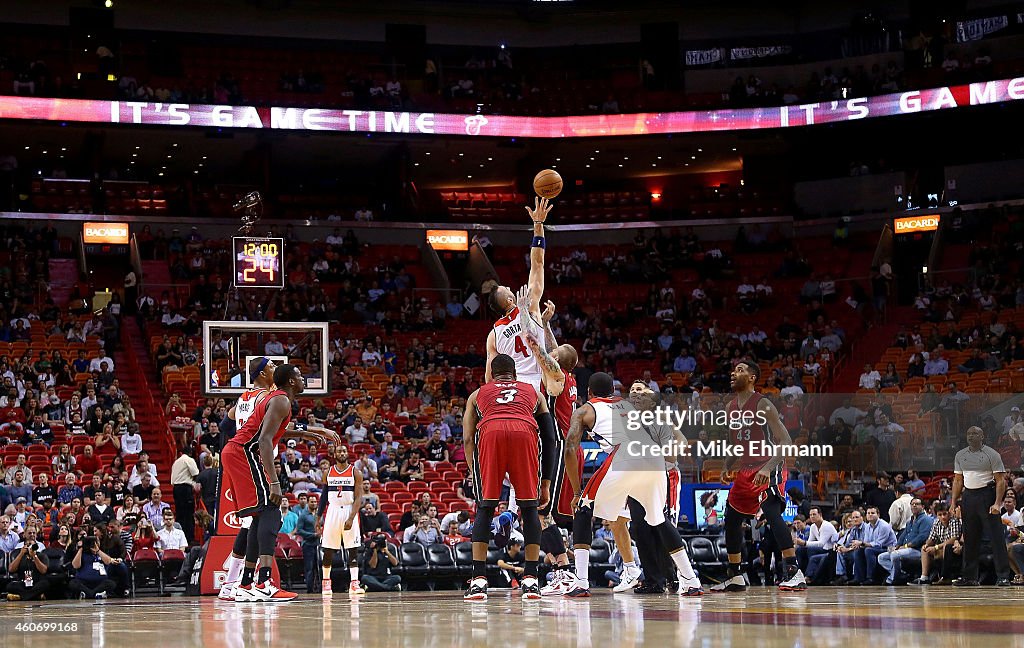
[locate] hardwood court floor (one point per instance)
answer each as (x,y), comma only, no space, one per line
(866,617)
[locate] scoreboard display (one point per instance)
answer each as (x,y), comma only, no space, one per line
(258,262)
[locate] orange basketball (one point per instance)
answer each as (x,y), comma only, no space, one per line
(547,184)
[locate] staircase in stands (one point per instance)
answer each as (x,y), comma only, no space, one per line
(133,366)
(63,277)
(870,347)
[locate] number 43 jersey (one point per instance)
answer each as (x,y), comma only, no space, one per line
(514,400)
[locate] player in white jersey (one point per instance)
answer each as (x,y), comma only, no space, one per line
(505,337)
(340,526)
(634,468)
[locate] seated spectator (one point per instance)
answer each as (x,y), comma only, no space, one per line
(357,432)
(155,507)
(169,537)
(436,450)
(44,491)
(415,431)
(70,490)
(869,378)
(100,512)
(88,463)
(427,531)
(131,442)
(372,521)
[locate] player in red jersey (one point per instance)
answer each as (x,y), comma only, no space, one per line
(501,426)
(248,461)
(759,481)
(559,387)
(262,370)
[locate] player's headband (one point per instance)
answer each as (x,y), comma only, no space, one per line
(262,365)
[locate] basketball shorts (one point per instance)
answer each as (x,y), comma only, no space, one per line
(508,447)
(609,489)
(745,496)
(561,489)
(335,536)
(246,480)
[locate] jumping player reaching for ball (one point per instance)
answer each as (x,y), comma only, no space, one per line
(505,337)
(506,427)
(760,482)
(631,470)
(341,525)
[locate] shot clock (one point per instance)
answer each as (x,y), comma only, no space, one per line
(258,262)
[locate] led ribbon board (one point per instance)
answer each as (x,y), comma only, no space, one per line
(371,121)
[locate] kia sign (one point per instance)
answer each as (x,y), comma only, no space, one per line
(105,233)
(910,224)
(448,240)
(376,121)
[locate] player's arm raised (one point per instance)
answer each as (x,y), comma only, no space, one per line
(539,214)
(779,433)
(278,410)
(469,421)
(492,350)
(549,335)
(554,379)
(582,419)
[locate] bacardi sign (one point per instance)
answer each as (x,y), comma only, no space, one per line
(451,240)
(105,233)
(923,223)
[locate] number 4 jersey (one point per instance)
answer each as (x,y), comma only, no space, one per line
(508,339)
(515,400)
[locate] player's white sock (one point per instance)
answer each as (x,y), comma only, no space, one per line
(353,573)
(630,566)
(327,572)
(235,567)
(582,557)
(683,564)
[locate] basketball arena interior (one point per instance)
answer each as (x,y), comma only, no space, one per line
(227,215)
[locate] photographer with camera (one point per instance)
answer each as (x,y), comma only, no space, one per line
(377,563)
(90,564)
(29,566)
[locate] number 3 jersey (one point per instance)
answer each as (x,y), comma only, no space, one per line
(515,400)
(508,340)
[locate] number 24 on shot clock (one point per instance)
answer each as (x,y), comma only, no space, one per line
(258,262)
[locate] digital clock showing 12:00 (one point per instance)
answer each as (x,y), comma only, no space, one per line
(258,262)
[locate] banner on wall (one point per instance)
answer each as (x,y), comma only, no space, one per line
(743,53)
(375,121)
(970,30)
(695,58)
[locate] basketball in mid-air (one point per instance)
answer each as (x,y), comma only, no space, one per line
(547,184)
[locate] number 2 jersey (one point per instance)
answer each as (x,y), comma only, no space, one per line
(506,401)
(508,340)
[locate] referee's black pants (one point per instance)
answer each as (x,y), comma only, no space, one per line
(653,555)
(976,519)
(185,510)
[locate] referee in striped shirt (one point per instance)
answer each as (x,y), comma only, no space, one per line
(979,484)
